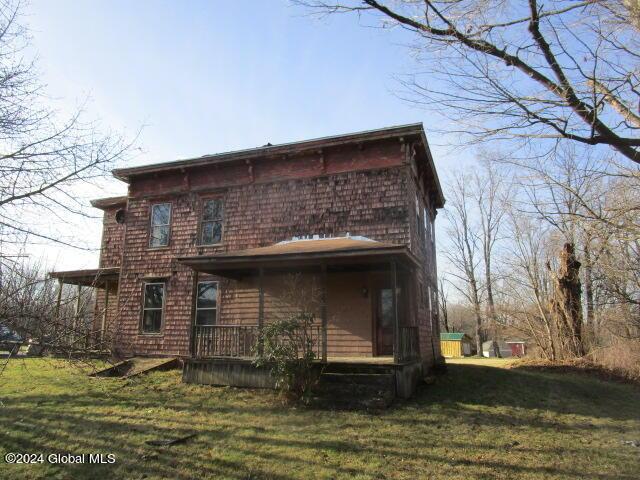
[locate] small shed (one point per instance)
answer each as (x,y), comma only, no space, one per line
(455,344)
(518,347)
(492,348)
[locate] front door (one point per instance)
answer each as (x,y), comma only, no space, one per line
(384,321)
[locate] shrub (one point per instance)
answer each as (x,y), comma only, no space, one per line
(286,347)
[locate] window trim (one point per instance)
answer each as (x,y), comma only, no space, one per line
(144,309)
(196,309)
(152,226)
(201,221)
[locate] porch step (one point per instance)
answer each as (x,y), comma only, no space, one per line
(358,368)
(382,380)
(355,390)
(135,366)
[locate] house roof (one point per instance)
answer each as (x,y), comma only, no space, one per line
(453,336)
(108,202)
(301,252)
(401,131)
(94,277)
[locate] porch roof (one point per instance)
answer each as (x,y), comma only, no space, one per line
(300,253)
(94,277)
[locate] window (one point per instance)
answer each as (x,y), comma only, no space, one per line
(160,225)
(152,307)
(211,226)
(207,303)
(433,231)
(427,224)
(418,222)
(430,304)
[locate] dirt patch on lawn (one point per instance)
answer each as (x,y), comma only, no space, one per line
(581,366)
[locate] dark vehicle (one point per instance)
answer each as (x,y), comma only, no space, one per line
(10,340)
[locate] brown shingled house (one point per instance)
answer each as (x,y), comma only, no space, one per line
(193,258)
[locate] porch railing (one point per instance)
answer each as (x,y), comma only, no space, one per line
(238,340)
(408,343)
(224,340)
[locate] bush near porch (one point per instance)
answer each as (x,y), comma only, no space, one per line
(480,421)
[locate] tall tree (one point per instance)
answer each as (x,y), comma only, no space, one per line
(465,252)
(564,69)
(490,190)
(44,157)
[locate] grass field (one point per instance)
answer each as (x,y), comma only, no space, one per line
(479,421)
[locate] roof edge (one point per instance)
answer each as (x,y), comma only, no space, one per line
(107,202)
(124,174)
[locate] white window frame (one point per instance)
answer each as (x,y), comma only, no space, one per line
(152,226)
(218,220)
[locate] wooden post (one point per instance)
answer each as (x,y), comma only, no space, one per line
(76,315)
(323,309)
(56,319)
(106,309)
(194,341)
(260,308)
(394,309)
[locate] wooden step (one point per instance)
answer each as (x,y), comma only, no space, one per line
(137,365)
(383,380)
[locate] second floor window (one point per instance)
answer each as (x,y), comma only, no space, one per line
(211,225)
(160,225)
(427,227)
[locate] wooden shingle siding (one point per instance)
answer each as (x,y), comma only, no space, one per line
(361,190)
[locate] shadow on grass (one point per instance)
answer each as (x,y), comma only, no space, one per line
(247,435)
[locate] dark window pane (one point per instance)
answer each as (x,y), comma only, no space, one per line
(212,210)
(206,317)
(160,236)
(386,307)
(207,294)
(153,294)
(152,321)
(161,214)
(211,233)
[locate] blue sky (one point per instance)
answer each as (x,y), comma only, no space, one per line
(206,77)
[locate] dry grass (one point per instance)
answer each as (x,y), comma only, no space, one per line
(477,422)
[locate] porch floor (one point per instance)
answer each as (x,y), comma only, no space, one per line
(387,360)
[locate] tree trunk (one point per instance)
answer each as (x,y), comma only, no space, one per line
(588,287)
(476,309)
(566,305)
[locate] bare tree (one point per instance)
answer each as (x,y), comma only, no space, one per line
(465,253)
(45,158)
(443,300)
(490,190)
(522,70)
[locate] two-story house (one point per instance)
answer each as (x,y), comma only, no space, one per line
(201,253)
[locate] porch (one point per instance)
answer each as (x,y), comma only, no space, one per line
(86,326)
(365,298)
(366,312)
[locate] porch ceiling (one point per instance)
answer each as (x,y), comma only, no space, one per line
(96,277)
(338,252)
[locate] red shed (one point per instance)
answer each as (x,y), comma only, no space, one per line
(518,347)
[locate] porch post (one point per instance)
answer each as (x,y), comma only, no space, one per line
(106,309)
(56,318)
(394,309)
(260,308)
(323,309)
(76,315)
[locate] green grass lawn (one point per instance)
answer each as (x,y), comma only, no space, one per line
(479,421)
